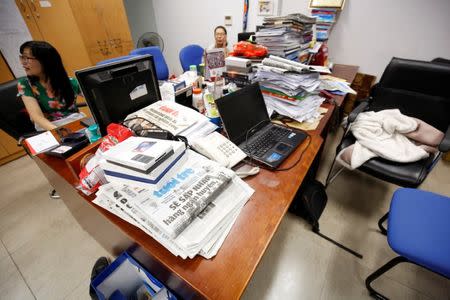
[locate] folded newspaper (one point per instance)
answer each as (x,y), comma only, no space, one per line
(192,213)
(176,118)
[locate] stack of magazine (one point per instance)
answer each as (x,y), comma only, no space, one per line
(140,160)
(190,211)
(287,36)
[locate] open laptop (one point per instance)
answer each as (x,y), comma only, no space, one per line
(247,123)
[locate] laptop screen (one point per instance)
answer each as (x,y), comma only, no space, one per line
(241,111)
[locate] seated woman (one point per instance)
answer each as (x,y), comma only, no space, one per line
(48,93)
(220,36)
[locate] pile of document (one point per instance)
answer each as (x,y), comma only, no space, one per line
(290,88)
(190,213)
(287,36)
(335,85)
(325,19)
(176,118)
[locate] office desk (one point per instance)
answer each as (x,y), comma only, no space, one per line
(227,274)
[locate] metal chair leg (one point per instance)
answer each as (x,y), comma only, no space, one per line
(389,265)
(380,223)
(330,177)
(54,195)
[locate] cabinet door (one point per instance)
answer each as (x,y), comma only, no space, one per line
(5,71)
(57,24)
(93,30)
(104,27)
(115,21)
(28,17)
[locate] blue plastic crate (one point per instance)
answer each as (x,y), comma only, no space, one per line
(123,277)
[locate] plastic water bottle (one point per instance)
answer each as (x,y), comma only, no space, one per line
(197,100)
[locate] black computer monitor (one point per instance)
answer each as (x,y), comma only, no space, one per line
(117,89)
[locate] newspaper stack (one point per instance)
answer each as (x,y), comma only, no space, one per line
(290,88)
(177,119)
(288,36)
(192,213)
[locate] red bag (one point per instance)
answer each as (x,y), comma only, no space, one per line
(247,49)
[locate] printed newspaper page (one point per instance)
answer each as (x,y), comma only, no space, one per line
(221,194)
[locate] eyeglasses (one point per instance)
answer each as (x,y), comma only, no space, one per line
(26,59)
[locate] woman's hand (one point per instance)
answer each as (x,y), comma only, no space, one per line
(36,114)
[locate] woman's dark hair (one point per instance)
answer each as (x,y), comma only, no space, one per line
(53,69)
(220,27)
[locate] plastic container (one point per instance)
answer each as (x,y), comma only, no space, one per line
(210,105)
(197,100)
(193,68)
(93,133)
(123,277)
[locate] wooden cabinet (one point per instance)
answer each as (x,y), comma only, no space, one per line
(105,28)
(83,31)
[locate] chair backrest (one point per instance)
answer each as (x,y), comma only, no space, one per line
(114,59)
(190,55)
(417,88)
(244,36)
(162,71)
(14,119)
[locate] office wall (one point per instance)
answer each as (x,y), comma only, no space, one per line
(192,22)
(368,33)
(13,33)
(141,17)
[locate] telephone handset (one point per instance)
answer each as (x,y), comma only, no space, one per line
(220,149)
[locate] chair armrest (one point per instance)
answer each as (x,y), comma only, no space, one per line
(360,108)
(444,146)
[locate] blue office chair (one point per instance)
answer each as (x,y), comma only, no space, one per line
(419,231)
(114,59)
(162,71)
(190,55)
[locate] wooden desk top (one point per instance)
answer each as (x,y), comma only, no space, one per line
(228,273)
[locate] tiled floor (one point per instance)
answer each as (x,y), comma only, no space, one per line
(44,253)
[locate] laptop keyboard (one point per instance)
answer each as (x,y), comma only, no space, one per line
(266,141)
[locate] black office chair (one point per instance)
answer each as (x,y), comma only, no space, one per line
(244,36)
(14,119)
(418,89)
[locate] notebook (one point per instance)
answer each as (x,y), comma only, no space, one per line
(247,123)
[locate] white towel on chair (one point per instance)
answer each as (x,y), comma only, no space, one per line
(382,134)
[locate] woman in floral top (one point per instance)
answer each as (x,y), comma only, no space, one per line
(47,92)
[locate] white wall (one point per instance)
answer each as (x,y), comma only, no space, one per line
(181,23)
(368,33)
(13,33)
(141,17)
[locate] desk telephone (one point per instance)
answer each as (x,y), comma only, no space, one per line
(220,149)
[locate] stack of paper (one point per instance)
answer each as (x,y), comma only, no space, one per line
(290,88)
(177,119)
(336,87)
(192,213)
(288,36)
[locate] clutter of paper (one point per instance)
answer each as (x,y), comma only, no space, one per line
(290,88)
(180,198)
